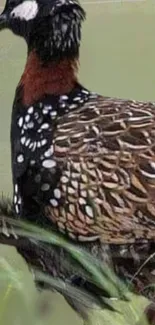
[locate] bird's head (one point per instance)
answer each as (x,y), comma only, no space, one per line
(51,27)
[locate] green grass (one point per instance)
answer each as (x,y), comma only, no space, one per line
(21,303)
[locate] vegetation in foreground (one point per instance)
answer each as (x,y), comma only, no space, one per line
(22,303)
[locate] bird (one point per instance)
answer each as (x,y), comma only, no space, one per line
(82,163)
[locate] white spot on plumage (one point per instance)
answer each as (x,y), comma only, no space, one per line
(126,145)
(54,202)
(25,127)
(16,188)
(64,28)
(57,193)
(72,106)
(147,174)
(30,125)
(53,114)
(17,208)
(82,201)
(36,115)
(22,140)
(74,184)
(48,107)
(31,145)
(63,97)
(71,190)
(49,152)
(27,142)
(19,200)
(27,118)
(152,163)
(83,193)
(15,199)
(64,179)
(34,146)
(84,91)
(45,126)
(62,105)
(76,99)
(20,121)
(30,110)
(32,162)
(45,187)
(96,130)
(89,211)
(97,111)
(48,163)
(26,10)
(43,142)
(45,111)
(20,158)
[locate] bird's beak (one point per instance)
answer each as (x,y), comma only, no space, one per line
(3,21)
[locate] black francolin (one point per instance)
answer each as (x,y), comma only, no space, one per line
(86,162)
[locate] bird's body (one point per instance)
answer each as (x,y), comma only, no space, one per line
(89,163)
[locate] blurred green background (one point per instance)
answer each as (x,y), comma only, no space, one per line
(117,59)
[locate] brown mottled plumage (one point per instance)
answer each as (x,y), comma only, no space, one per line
(106,151)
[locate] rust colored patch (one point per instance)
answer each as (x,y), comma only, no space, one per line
(54,78)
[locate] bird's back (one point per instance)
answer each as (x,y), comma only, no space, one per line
(105,153)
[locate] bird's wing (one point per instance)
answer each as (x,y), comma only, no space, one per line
(106,151)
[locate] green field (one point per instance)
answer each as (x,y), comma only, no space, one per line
(117,59)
